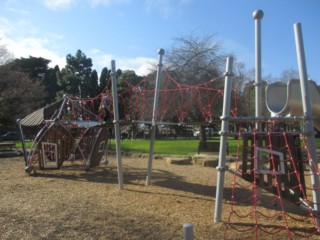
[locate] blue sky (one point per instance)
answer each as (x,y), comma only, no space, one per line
(131,31)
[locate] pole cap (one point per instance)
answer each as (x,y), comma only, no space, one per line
(160,51)
(258,14)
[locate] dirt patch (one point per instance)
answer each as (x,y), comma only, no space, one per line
(74,204)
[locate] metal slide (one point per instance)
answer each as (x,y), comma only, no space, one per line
(285,100)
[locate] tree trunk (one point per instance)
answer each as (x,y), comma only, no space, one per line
(203,136)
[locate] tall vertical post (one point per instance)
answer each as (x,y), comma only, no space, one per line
(154,115)
(223,139)
(309,127)
(116,122)
(62,106)
(24,148)
(257,16)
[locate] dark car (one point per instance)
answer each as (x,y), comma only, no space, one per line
(11,136)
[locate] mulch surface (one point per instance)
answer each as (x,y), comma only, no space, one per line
(75,204)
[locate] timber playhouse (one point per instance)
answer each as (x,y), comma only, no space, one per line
(276,158)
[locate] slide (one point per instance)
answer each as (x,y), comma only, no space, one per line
(285,100)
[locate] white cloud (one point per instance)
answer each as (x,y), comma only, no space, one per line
(108,2)
(166,7)
(63,4)
(34,47)
(21,27)
(57,4)
(22,40)
(24,45)
(16,7)
(5,27)
(141,65)
(37,47)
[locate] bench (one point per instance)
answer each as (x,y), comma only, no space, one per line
(7,145)
(210,147)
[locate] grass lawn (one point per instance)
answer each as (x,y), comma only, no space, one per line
(175,147)
(170,147)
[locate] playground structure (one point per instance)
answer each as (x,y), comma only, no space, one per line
(63,135)
(70,130)
(285,99)
(270,157)
(274,157)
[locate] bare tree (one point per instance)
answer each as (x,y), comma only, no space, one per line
(194,60)
(5,55)
(289,74)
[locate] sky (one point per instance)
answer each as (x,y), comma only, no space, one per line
(131,31)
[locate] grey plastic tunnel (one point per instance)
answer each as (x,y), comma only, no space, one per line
(285,100)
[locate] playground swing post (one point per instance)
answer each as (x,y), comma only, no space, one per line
(223,140)
(116,123)
(309,126)
(154,116)
(258,15)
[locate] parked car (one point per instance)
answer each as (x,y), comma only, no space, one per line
(11,136)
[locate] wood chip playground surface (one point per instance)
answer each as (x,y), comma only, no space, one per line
(75,204)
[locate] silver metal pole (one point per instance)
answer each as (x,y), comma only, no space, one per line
(223,140)
(309,127)
(154,115)
(116,122)
(257,16)
(62,107)
(188,231)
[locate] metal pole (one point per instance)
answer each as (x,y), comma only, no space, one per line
(116,122)
(257,16)
(154,115)
(223,140)
(62,106)
(24,148)
(188,231)
(309,127)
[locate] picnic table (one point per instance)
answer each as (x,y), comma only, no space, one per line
(7,145)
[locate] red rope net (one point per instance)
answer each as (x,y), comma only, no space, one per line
(270,194)
(177,102)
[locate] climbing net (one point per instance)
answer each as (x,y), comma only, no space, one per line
(177,101)
(270,187)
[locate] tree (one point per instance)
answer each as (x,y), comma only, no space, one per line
(91,86)
(248,100)
(37,69)
(5,55)
(128,78)
(50,83)
(76,78)
(126,85)
(19,95)
(239,81)
(193,60)
(104,77)
(289,74)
